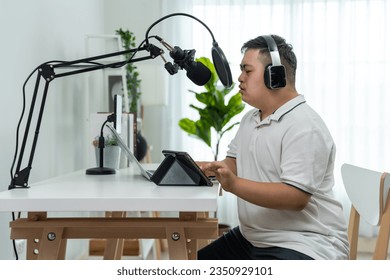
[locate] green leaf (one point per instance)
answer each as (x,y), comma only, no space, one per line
(203,132)
(217,110)
(198,129)
(132,76)
(188,125)
(203,97)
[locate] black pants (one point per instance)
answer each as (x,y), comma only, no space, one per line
(233,246)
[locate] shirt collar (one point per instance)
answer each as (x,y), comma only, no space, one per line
(287,107)
(281,111)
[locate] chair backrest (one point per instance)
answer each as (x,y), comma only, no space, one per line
(368,191)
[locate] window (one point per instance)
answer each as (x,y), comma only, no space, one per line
(343,52)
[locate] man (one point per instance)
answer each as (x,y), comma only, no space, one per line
(280,166)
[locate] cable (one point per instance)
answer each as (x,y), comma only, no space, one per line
(22,115)
(13,240)
(177,14)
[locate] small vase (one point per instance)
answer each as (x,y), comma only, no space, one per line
(111,156)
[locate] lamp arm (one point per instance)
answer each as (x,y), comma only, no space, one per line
(46,71)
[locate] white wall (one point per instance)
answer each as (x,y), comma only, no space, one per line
(34,32)
(158,100)
(137,16)
(37,31)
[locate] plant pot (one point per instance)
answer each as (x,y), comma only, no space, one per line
(111,156)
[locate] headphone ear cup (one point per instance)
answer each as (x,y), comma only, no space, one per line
(267,76)
(274,76)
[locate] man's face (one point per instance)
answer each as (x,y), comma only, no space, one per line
(252,87)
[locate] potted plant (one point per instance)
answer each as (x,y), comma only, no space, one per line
(133,87)
(217,112)
(111,151)
(132,75)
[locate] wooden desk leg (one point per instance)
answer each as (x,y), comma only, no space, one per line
(179,247)
(51,244)
(62,250)
(177,243)
(192,248)
(56,247)
(193,245)
(201,242)
(158,243)
(114,247)
(32,249)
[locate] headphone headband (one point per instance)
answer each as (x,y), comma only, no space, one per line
(274,73)
(273,50)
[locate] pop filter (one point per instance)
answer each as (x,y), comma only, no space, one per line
(221,65)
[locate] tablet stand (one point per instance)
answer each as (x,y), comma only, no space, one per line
(173,172)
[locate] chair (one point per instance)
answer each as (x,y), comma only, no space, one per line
(368,191)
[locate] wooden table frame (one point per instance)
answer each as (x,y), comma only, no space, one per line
(47,237)
(123,192)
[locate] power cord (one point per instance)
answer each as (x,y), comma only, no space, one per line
(13,240)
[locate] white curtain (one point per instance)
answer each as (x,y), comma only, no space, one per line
(343,52)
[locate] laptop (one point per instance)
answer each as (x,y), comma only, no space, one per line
(146,173)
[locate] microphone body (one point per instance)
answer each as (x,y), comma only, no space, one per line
(196,71)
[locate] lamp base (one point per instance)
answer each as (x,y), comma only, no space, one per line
(100,171)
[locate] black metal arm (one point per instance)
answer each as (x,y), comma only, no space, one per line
(47,72)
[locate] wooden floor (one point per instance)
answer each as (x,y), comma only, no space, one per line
(366,248)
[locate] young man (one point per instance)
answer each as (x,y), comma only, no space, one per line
(280,166)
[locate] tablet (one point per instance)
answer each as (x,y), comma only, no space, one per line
(179,169)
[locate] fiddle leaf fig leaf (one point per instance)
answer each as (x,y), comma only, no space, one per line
(217,112)
(187,125)
(203,97)
(235,105)
(197,129)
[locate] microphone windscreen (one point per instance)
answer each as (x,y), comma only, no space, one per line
(199,74)
(221,66)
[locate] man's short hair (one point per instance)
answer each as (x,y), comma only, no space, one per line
(287,56)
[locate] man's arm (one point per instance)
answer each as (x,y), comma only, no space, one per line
(265,194)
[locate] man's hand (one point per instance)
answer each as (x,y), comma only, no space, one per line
(222,171)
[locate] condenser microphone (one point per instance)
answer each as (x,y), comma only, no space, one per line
(197,72)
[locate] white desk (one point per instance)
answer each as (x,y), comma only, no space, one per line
(121,192)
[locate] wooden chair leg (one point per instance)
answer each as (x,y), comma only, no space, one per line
(382,243)
(353,233)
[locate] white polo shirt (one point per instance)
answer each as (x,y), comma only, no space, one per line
(293,146)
